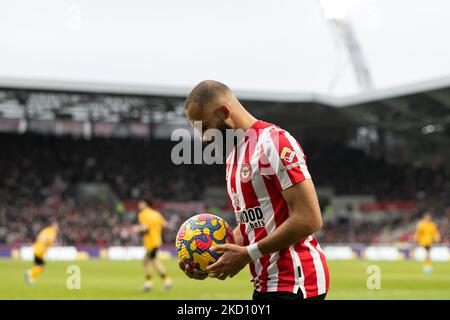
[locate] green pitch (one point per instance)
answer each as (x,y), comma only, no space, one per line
(101,279)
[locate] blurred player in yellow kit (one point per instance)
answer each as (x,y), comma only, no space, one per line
(44,241)
(426,234)
(151,223)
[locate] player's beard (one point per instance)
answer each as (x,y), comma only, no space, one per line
(223,127)
(226,145)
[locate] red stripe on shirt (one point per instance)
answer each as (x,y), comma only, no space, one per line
(233,189)
(309,270)
(251,200)
(315,244)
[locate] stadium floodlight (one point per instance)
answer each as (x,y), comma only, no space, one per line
(432,128)
(336,9)
(336,14)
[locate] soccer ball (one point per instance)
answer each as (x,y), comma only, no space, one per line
(197,235)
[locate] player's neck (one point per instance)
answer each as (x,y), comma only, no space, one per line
(244,120)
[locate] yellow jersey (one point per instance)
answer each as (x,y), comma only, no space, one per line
(426,233)
(44,241)
(154,222)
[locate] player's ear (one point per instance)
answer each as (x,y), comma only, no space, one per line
(223,112)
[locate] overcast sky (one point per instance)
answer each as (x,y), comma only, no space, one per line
(278,45)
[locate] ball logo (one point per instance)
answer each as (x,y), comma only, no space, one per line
(287,154)
(246,172)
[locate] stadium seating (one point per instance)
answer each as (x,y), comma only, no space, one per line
(39,175)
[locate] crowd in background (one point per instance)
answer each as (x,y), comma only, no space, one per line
(39,175)
(33,166)
(348,230)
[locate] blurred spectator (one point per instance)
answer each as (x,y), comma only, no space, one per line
(38,176)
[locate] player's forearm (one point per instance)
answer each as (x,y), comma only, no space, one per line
(238,239)
(141,228)
(294,229)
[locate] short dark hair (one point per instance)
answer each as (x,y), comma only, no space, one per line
(147,201)
(205,92)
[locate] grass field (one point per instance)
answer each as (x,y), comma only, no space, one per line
(102,279)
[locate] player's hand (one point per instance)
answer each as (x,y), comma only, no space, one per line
(233,260)
(192,273)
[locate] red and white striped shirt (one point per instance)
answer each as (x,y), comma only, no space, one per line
(265,162)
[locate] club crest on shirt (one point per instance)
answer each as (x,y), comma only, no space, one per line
(287,154)
(246,172)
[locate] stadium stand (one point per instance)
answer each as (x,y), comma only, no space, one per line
(40,176)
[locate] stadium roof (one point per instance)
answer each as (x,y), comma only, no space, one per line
(172,91)
(417,109)
(416,115)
